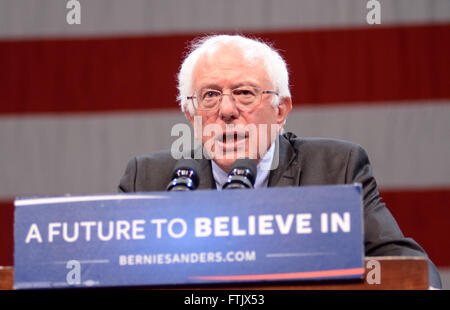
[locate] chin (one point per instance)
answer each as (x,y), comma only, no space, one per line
(226,161)
(225,155)
(225,164)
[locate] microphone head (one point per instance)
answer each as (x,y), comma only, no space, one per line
(242,174)
(185,176)
(247,165)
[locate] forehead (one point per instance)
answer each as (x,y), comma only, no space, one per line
(229,65)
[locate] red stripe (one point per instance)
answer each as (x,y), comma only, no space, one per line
(327,66)
(6,233)
(285,276)
(422,214)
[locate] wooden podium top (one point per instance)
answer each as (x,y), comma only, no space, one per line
(382,273)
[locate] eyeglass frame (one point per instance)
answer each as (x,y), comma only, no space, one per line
(232,97)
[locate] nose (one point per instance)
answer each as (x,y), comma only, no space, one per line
(227,108)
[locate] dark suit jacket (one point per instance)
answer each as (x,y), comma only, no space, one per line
(301,162)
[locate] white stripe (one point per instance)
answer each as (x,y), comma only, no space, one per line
(55,155)
(407,144)
(47,18)
(52,200)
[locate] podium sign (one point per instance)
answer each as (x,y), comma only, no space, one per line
(204,236)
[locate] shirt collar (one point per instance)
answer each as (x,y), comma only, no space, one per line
(262,170)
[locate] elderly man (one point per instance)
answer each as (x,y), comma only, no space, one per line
(236,84)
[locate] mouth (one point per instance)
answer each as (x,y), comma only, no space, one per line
(232,137)
(232,141)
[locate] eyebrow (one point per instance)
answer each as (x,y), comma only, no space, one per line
(211,86)
(246,83)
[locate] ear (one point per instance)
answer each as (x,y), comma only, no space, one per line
(283,109)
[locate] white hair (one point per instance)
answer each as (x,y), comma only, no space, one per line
(252,48)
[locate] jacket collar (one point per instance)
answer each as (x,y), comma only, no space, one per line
(206,175)
(288,171)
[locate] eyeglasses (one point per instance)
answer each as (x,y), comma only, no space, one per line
(246,98)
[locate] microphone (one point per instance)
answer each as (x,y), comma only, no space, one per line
(184,176)
(242,174)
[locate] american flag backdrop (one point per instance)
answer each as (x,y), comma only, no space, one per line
(77,101)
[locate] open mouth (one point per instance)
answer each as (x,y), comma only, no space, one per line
(232,137)
(231,144)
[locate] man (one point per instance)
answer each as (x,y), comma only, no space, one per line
(238,88)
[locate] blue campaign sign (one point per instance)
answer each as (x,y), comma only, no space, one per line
(205,236)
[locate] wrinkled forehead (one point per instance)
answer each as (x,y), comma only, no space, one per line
(231,57)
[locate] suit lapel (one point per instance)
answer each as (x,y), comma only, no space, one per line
(206,176)
(288,170)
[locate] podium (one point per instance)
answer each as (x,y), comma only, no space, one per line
(395,273)
(309,238)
